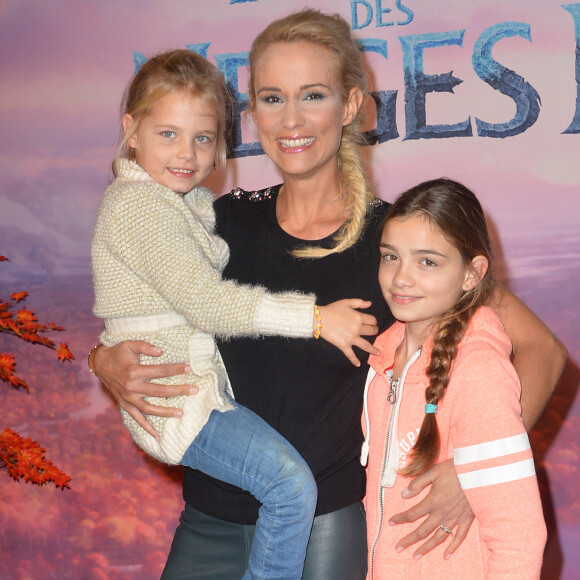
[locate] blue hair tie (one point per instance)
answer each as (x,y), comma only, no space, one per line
(429,408)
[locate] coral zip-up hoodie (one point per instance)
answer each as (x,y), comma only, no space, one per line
(480,424)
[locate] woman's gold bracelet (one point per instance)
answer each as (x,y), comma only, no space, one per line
(91,358)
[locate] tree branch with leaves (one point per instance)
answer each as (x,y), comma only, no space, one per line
(22,457)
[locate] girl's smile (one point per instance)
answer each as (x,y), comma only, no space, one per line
(404,299)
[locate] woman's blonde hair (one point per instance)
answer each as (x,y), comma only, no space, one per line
(174,72)
(332,32)
(455,211)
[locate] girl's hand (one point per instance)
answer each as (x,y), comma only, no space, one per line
(445,504)
(119,369)
(344,326)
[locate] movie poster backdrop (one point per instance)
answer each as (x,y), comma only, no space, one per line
(484,92)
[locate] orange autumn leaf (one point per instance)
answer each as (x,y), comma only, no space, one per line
(7,368)
(7,363)
(26,316)
(63,353)
(58,477)
(19,296)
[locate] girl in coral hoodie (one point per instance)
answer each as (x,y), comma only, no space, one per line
(443,387)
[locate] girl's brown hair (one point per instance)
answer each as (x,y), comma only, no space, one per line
(173,72)
(332,32)
(456,212)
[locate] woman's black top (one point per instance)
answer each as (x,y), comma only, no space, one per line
(305,388)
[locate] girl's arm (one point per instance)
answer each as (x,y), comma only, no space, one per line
(539,358)
(494,462)
(118,367)
(152,238)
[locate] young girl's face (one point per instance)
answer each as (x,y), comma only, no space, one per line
(175,142)
(421,275)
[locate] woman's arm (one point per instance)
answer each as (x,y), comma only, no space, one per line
(539,358)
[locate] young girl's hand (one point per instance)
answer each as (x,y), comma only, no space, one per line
(344,326)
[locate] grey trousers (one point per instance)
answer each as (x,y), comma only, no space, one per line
(206,548)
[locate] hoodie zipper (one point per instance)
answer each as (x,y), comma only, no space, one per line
(395,387)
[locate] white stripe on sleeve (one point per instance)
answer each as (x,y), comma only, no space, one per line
(491,449)
(494,475)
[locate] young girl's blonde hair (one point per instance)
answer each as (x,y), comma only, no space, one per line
(332,32)
(456,212)
(171,72)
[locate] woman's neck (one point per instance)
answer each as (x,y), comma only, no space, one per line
(311,208)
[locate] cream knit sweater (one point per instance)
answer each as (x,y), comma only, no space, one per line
(157,276)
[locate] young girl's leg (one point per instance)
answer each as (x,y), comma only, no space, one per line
(337,548)
(238,447)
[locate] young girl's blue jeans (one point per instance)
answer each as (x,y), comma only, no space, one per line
(240,448)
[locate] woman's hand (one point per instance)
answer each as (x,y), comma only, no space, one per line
(445,504)
(344,326)
(119,369)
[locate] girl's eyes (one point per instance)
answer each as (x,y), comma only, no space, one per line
(424,262)
(168,134)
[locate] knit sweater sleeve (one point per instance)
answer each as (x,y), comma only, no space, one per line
(493,459)
(157,238)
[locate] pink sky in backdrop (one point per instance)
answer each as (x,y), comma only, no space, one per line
(64,67)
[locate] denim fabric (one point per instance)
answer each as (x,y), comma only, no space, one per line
(207,548)
(238,447)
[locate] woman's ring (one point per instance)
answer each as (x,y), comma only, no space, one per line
(445,529)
